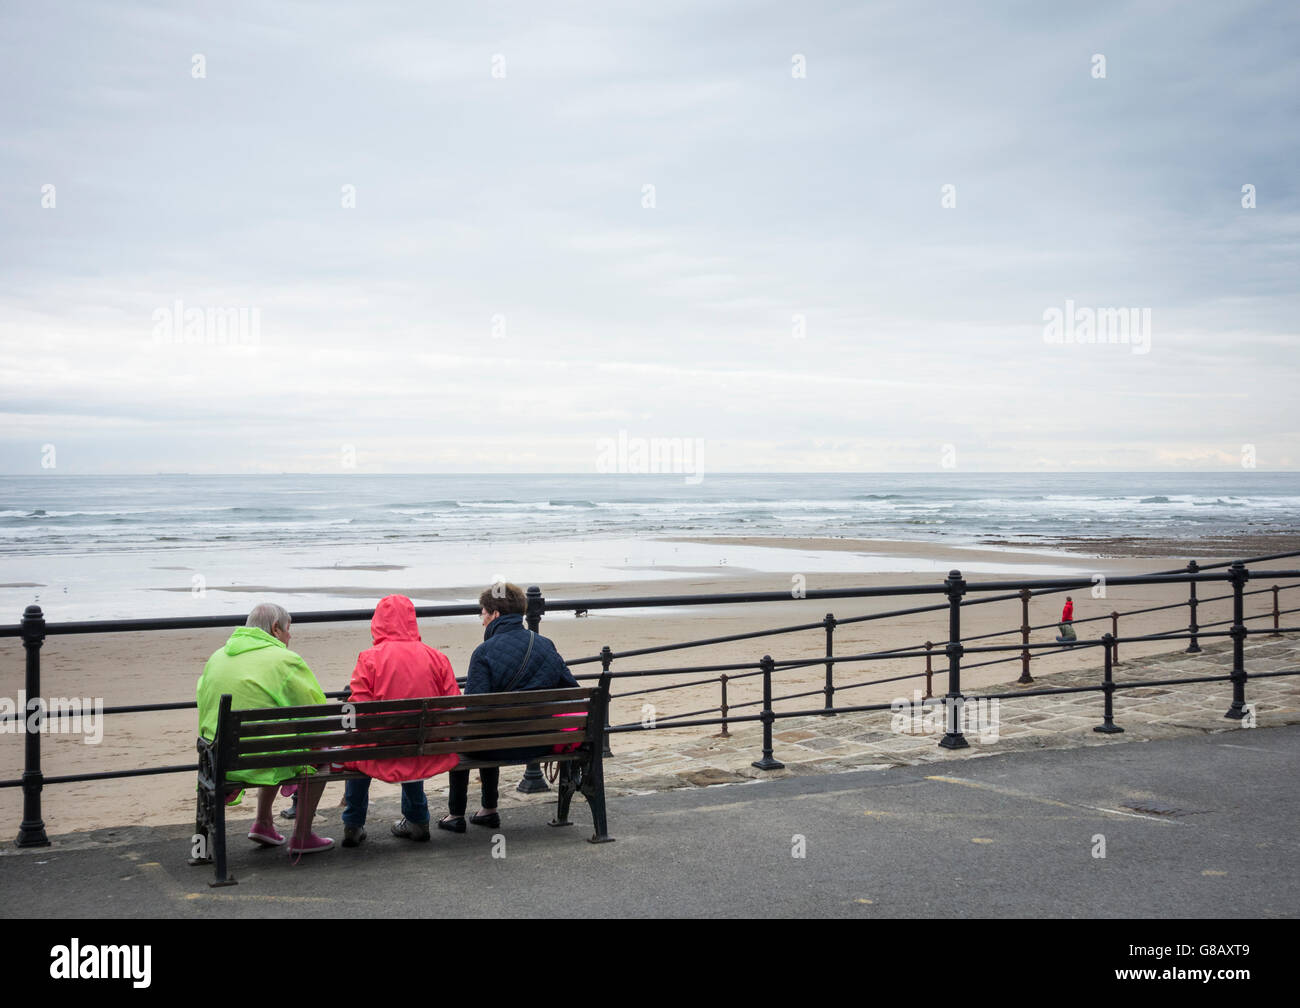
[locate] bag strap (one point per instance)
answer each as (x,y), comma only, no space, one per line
(522,665)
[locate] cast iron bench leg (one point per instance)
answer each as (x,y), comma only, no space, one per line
(593,789)
(218,839)
(567,785)
(201,843)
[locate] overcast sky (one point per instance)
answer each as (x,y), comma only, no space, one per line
(506,291)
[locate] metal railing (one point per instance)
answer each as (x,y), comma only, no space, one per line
(33,631)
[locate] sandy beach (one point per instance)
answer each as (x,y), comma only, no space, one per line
(163,666)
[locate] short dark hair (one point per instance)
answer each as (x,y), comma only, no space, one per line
(503,598)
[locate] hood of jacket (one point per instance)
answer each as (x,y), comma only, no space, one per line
(394,620)
(249,638)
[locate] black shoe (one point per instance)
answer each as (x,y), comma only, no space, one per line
(452,824)
(354,836)
(492,820)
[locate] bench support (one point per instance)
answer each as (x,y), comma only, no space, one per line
(209,842)
(567,784)
(593,789)
(593,775)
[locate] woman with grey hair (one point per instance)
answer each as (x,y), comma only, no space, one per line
(257,669)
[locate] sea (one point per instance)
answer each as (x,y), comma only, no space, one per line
(90,547)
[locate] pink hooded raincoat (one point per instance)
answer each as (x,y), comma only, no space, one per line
(400,667)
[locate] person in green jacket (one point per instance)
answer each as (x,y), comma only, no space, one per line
(257,669)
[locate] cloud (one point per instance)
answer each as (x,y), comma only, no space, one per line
(798,292)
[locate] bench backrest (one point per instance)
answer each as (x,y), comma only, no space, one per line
(386,729)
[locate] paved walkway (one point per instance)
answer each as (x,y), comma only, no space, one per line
(822,745)
(1108,831)
(1115,830)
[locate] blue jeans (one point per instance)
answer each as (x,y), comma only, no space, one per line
(356,795)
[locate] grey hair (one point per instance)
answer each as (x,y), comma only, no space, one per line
(266,615)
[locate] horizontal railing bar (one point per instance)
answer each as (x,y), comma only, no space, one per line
(670,686)
(659,648)
(638,726)
(106,775)
(685,714)
(685,670)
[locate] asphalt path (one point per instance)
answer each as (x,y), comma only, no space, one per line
(1199,826)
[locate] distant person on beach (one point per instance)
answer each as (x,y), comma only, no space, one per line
(510,658)
(1066,626)
(400,666)
(257,669)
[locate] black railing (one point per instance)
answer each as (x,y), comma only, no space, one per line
(33,631)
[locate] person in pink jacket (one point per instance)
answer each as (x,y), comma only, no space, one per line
(400,666)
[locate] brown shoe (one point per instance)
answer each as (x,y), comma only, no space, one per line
(408,830)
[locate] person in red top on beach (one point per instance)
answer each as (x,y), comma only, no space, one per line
(399,667)
(1066,625)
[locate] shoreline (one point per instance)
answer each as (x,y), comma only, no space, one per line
(1206,549)
(214,581)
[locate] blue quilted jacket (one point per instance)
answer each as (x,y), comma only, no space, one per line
(496,661)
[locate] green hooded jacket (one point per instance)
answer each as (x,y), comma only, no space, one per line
(257,671)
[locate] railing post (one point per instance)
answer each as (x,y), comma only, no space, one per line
(1114,633)
(1276,632)
(1238,575)
(1192,647)
(534,781)
(767,762)
(536,606)
(31,833)
(1108,725)
(829,689)
(929,672)
(606,657)
(954,587)
(1025,678)
(722,681)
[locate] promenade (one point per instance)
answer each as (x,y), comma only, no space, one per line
(1053,820)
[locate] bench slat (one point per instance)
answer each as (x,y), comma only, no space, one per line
(473,701)
(523,711)
(304,744)
(349,754)
(293,726)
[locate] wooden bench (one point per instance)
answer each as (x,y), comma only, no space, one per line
(394,729)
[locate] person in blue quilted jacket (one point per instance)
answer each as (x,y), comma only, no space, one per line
(510,658)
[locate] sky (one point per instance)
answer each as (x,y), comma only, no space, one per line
(495,237)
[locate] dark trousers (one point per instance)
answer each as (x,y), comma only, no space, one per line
(489,777)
